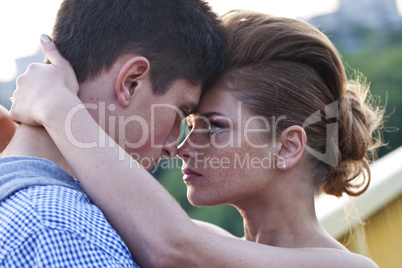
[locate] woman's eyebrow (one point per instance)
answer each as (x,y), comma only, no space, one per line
(209,114)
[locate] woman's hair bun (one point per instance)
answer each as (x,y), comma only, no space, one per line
(359,136)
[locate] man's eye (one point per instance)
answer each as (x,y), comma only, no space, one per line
(189,127)
(185,113)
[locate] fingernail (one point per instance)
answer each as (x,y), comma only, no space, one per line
(45,38)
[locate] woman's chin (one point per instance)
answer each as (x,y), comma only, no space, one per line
(202,201)
(195,201)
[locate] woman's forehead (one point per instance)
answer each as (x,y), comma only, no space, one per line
(217,97)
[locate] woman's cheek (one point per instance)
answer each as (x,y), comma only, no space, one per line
(222,140)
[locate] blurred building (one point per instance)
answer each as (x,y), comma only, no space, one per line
(371,14)
(7,88)
(355,20)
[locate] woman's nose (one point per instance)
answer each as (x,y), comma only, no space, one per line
(186,150)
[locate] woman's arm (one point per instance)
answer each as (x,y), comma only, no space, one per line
(212,228)
(7,128)
(156,230)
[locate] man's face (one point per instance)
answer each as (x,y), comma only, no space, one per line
(150,127)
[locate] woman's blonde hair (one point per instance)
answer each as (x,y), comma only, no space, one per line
(287,67)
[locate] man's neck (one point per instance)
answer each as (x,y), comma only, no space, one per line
(36,142)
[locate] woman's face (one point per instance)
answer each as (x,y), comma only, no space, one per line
(227,156)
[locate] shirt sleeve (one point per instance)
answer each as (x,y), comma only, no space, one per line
(60,248)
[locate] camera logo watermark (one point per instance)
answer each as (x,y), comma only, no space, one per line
(330,156)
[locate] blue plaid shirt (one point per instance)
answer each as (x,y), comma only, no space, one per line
(52,225)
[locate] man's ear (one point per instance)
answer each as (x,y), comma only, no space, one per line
(131,76)
(292,142)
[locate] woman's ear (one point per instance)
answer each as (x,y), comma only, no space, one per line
(292,143)
(130,78)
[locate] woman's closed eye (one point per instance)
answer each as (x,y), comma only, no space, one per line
(214,127)
(204,125)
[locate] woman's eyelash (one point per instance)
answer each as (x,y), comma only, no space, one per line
(214,127)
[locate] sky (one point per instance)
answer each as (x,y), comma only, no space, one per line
(23,21)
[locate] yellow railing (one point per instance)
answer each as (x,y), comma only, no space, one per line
(380,208)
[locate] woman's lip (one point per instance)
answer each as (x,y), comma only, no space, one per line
(190,174)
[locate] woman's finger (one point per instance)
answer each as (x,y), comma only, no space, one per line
(51,51)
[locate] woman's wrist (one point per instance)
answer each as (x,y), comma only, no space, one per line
(56,111)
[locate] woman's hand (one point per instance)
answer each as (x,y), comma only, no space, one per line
(43,87)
